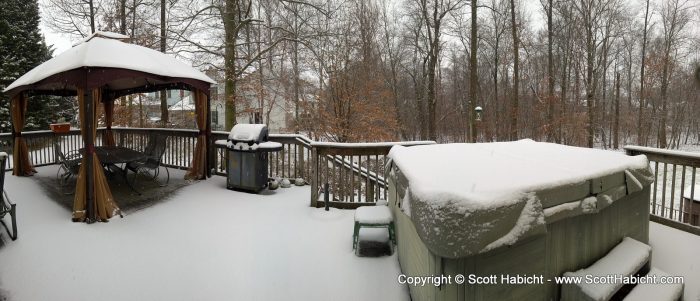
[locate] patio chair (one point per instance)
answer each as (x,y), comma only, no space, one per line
(6,206)
(68,167)
(152,163)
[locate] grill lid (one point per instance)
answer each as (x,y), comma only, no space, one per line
(250,133)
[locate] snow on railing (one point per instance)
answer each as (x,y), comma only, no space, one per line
(675,195)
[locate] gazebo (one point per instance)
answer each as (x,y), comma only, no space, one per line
(102,68)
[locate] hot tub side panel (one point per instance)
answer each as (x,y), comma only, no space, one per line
(569,244)
(577,242)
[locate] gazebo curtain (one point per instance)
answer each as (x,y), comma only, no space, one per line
(199,161)
(107,135)
(22,166)
(103,202)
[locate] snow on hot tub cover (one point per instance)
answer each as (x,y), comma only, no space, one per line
(466,199)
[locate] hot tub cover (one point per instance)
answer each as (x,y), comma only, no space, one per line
(467,199)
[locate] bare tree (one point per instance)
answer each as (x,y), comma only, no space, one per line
(675,17)
(641,76)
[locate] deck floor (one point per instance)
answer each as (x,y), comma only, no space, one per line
(203,242)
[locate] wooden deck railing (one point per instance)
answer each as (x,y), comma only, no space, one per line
(674,189)
(42,151)
(353,172)
(41,145)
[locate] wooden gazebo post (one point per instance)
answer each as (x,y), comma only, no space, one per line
(210,143)
(89,150)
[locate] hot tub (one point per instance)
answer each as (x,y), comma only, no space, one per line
(522,209)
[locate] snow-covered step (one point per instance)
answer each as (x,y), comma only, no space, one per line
(656,291)
(628,257)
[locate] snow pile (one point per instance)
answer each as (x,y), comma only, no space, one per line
(483,173)
(625,259)
(111,53)
(646,291)
(103,34)
(270,145)
(676,252)
(467,199)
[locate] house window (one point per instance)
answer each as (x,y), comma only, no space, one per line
(694,220)
(215,117)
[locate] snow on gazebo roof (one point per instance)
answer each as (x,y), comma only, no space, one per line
(102,60)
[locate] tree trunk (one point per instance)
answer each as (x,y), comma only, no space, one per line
(473,77)
(550,76)
(230,32)
(163,98)
(92,17)
(641,76)
(295,67)
(122,17)
(516,75)
(664,101)
(616,126)
(590,87)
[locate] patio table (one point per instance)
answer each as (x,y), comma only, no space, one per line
(117,154)
(110,156)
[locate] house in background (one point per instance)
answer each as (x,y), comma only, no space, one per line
(273,108)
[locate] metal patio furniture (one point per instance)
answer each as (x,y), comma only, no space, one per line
(150,165)
(6,206)
(68,167)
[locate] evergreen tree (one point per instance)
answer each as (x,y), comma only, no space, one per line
(22,47)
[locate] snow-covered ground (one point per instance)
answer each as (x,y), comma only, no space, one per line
(209,243)
(678,254)
(206,243)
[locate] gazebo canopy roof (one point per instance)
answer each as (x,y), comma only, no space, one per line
(102,60)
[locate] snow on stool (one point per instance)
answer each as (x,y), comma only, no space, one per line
(656,291)
(373,217)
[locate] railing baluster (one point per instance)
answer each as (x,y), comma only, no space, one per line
(692,198)
(656,178)
(682,203)
(352,179)
(663,192)
(673,190)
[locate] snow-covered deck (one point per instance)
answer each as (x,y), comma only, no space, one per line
(205,243)
(209,243)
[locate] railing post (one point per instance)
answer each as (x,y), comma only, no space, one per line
(314,177)
(121,138)
(300,161)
